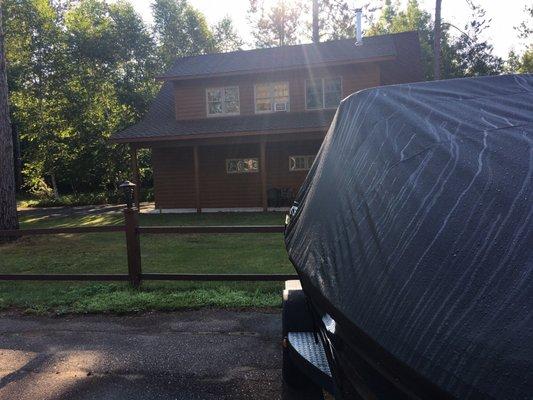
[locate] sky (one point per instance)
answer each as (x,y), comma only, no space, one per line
(504,14)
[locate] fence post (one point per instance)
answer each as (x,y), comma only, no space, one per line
(133,245)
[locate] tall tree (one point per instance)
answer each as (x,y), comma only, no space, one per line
(180,30)
(277,25)
(337,17)
(523,63)
(78,74)
(109,87)
(473,55)
(225,36)
(525,28)
(36,79)
(392,19)
(464,54)
(8,204)
(437,40)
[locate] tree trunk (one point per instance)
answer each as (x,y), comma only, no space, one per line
(316,35)
(17,157)
(54,186)
(8,204)
(437,38)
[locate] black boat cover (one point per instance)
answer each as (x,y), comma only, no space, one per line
(415,225)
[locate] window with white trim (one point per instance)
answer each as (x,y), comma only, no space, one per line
(272,97)
(322,93)
(242,165)
(301,163)
(223,101)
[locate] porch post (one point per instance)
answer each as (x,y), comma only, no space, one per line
(136,175)
(263,168)
(197,179)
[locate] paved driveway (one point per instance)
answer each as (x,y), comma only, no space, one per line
(209,354)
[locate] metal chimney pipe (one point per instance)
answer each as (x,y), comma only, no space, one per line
(358,27)
(316,34)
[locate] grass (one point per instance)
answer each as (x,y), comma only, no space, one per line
(106,253)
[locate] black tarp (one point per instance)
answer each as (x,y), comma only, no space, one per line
(415,225)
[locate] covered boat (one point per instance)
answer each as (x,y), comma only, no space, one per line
(413,233)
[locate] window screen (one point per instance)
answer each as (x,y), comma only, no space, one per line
(272,97)
(323,93)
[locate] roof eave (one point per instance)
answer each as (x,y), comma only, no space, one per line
(167,138)
(264,70)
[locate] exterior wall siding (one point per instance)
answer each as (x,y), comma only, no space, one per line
(219,189)
(173,177)
(191,95)
(174,174)
(278,174)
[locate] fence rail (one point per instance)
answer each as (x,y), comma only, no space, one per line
(212,229)
(132,234)
(56,231)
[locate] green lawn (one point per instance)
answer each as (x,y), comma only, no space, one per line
(106,253)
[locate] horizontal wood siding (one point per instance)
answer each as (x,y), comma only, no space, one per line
(220,189)
(174,174)
(173,177)
(278,174)
(191,95)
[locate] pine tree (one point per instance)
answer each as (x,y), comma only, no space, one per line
(278,25)
(8,204)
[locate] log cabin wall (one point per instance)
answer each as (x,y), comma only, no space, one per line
(278,153)
(173,177)
(190,95)
(218,189)
(174,174)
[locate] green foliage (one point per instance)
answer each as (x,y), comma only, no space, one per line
(180,30)
(80,71)
(523,63)
(412,18)
(276,25)
(473,56)
(525,28)
(47,199)
(463,52)
(336,18)
(226,37)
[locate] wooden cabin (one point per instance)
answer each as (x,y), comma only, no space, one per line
(240,130)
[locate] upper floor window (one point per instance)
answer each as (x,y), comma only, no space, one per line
(272,97)
(322,93)
(223,101)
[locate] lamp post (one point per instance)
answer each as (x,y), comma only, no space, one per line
(128,188)
(133,245)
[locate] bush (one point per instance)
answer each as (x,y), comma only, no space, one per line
(83,199)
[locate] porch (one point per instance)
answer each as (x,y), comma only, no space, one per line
(225,174)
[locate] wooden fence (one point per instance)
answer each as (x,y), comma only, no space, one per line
(132,232)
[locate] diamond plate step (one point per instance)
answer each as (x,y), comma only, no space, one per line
(304,343)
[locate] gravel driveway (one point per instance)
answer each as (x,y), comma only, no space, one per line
(207,354)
